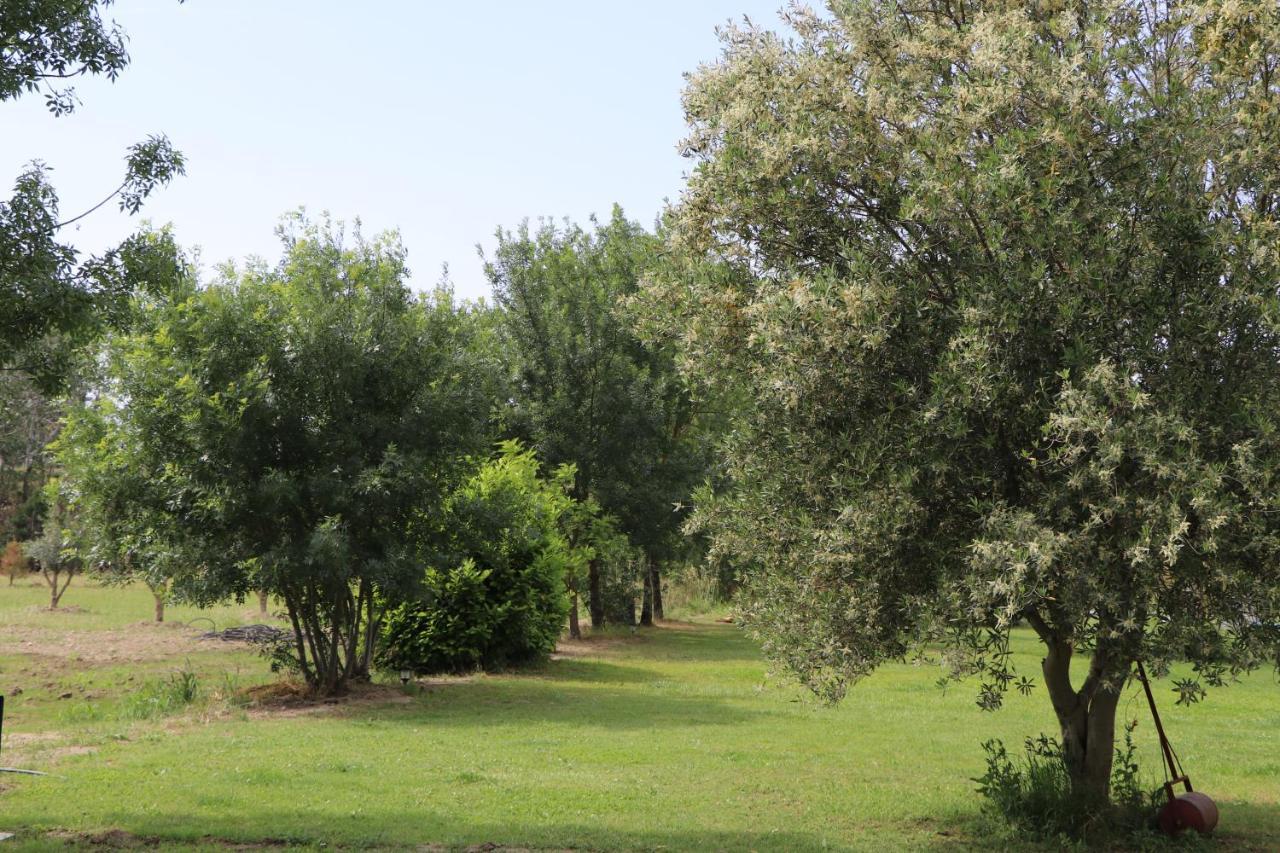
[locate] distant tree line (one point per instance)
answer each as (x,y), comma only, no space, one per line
(446,480)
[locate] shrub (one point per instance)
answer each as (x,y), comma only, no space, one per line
(13,562)
(452,633)
(502,601)
(1034,796)
(621,566)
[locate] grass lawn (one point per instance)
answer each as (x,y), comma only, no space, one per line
(672,739)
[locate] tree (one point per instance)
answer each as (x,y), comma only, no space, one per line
(56,551)
(13,562)
(284,428)
(587,390)
(49,300)
(999,283)
(594,540)
(28,421)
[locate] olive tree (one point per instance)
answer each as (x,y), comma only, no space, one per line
(56,550)
(998,281)
(285,428)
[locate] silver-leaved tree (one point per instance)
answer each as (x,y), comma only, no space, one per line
(999,281)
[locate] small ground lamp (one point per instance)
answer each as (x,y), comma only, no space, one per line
(405,675)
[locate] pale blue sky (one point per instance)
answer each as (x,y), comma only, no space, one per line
(442,119)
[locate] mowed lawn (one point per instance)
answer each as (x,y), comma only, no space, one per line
(672,738)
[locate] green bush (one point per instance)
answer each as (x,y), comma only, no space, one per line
(451,634)
(1034,799)
(503,601)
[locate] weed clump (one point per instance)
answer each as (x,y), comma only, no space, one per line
(164,696)
(1032,797)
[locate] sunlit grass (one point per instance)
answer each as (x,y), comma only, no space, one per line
(673,738)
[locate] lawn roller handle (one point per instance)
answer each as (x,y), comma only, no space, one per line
(1189,810)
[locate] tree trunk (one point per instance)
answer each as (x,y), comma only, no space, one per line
(657,592)
(575,630)
(262,602)
(595,601)
(646,599)
(56,590)
(372,625)
(159,597)
(1086,717)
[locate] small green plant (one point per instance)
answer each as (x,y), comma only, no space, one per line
(229,690)
(163,696)
(1034,797)
(80,712)
(281,653)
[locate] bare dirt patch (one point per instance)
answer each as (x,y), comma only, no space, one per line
(17,740)
(589,646)
(141,641)
(40,748)
(119,839)
(609,640)
(294,699)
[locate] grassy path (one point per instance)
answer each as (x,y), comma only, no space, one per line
(672,739)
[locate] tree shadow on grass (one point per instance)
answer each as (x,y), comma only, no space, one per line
(594,671)
(399,831)
(1262,819)
(513,702)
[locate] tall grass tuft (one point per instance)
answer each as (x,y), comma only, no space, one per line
(694,593)
(162,697)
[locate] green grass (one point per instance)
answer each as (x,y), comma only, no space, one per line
(671,739)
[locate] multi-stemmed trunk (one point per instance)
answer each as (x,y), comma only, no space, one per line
(56,586)
(262,602)
(335,630)
(1087,716)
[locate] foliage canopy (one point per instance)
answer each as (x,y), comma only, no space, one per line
(284,429)
(49,299)
(587,389)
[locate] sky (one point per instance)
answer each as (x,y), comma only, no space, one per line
(444,120)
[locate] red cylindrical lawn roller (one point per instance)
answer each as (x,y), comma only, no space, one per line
(1190,809)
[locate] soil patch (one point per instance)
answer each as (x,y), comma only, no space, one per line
(141,641)
(295,699)
(588,646)
(119,839)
